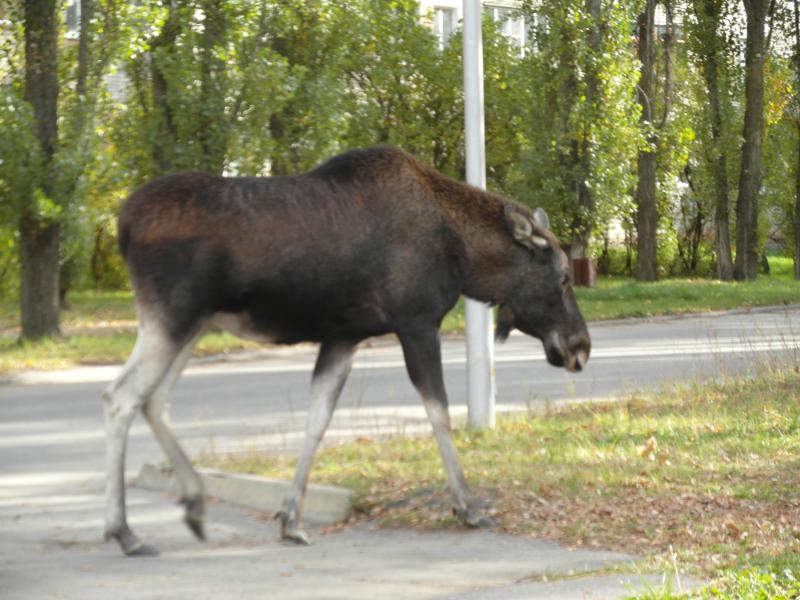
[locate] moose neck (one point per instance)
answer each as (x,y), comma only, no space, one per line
(477,217)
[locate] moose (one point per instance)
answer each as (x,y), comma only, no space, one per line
(369,243)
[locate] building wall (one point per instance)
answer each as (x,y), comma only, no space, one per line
(444,16)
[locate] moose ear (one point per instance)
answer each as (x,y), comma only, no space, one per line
(523,226)
(541,219)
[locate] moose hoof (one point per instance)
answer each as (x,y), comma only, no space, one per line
(130,544)
(195,511)
(474,518)
(298,536)
(290,532)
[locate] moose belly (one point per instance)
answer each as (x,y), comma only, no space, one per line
(241,325)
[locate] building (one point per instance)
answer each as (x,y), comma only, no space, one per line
(444,17)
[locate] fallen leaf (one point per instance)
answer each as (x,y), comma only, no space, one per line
(649,449)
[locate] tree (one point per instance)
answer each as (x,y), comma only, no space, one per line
(708,45)
(750,175)
(647,212)
(400,83)
(38,230)
(647,215)
(579,117)
(204,85)
(48,109)
(313,37)
(796,65)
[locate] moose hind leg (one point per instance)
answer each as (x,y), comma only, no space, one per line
(330,373)
(151,358)
(155,411)
(422,352)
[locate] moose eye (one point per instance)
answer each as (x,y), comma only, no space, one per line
(566,280)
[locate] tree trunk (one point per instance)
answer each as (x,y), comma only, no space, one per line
(712,16)
(797,210)
(39,238)
(87,8)
(646,218)
(797,123)
(647,212)
(750,175)
(166,134)
(278,165)
(604,262)
(583,223)
(212,99)
(39,254)
(69,268)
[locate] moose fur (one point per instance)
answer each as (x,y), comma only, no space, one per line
(369,243)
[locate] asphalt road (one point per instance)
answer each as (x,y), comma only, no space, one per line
(51,433)
(221,406)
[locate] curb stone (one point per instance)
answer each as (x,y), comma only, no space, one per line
(323,504)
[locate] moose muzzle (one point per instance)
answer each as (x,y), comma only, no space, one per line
(572,353)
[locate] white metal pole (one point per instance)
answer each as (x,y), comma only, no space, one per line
(480,344)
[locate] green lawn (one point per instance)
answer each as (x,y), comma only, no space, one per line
(99,326)
(616,298)
(100,329)
(708,472)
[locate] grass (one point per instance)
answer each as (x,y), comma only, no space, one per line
(100,326)
(100,329)
(108,348)
(617,298)
(711,472)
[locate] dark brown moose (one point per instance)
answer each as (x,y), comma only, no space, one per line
(368,243)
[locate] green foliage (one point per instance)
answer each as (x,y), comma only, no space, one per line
(755,584)
(205,83)
(781,154)
(275,87)
(569,139)
(20,156)
(80,159)
(307,118)
(620,297)
(405,91)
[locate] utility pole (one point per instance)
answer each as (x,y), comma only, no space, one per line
(480,344)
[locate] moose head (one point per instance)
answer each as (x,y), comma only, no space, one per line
(540,300)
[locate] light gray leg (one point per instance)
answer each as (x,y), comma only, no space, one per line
(330,373)
(144,371)
(155,411)
(422,352)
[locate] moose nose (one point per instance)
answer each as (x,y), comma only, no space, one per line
(571,353)
(580,360)
(579,346)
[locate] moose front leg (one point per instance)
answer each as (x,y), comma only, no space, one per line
(422,352)
(330,373)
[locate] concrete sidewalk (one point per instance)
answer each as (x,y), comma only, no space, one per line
(51,547)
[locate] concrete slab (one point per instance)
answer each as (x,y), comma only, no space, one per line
(324,504)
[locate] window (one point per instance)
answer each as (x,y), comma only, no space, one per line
(535,30)
(444,23)
(510,23)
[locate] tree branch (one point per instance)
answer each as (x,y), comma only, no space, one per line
(668,71)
